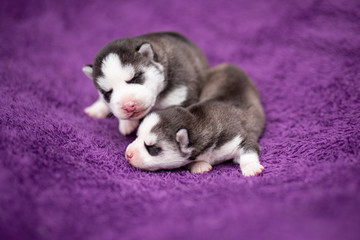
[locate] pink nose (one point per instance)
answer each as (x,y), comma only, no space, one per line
(129,155)
(129,107)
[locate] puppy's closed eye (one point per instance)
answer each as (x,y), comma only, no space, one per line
(152,149)
(138,78)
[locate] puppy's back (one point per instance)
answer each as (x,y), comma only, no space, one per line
(233,94)
(228,83)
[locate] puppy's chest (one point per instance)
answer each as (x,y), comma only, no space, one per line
(215,155)
(175,97)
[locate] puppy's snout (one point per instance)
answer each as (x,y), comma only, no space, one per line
(129,106)
(129,155)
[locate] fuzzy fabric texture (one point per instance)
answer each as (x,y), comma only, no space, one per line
(63,175)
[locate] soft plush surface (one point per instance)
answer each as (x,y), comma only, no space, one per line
(64,175)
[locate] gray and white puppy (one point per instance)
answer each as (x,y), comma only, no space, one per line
(226,124)
(135,75)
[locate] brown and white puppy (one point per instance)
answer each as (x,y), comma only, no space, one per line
(226,124)
(135,75)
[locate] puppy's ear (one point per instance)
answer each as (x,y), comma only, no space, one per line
(182,137)
(88,70)
(146,50)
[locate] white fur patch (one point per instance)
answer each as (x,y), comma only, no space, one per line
(248,158)
(228,151)
(98,109)
(115,73)
(155,79)
(127,126)
(147,124)
(175,97)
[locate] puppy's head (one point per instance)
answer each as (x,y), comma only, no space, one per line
(162,141)
(128,78)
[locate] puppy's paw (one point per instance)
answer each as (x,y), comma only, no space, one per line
(126,127)
(199,167)
(252,169)
(97,110)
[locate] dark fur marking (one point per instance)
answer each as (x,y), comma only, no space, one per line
(106,94)
(137,79)
(153,150)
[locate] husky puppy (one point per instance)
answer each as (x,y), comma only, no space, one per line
(226,124)
(138,74)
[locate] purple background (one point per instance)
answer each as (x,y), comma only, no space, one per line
(64,175)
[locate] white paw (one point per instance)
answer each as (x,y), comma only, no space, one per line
(126,126)
(97,110)
(252,169)
(200,167)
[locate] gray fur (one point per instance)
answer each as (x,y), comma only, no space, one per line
(184,63)
(229,106)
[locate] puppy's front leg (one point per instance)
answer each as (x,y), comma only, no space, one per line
(127,126)
(199,167)
(98,109)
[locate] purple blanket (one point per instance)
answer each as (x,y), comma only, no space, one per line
(63,175)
